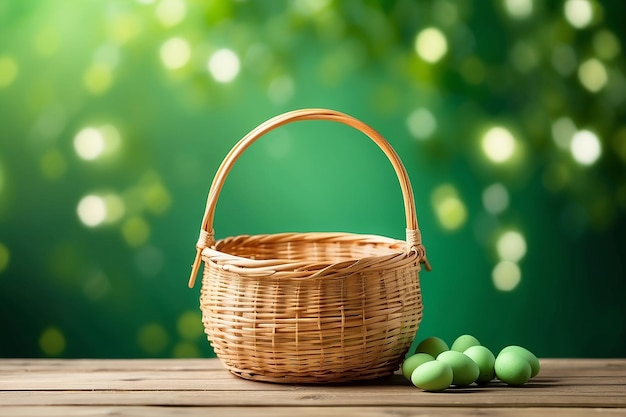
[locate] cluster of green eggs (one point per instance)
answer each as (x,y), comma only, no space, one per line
(435,367)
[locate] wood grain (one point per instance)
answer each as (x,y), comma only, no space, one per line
(147,411)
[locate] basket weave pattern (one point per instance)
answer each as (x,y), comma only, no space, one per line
(310,307)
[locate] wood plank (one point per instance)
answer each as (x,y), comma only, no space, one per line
(224,381)
(205,380)
(149,411)
(174,375)
(575,366)
(129,380)
(158,382)
(503,397)
(95,365)
(550,366)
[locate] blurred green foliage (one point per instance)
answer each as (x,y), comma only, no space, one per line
(114,115)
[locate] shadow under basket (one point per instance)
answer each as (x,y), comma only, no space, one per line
(310,307)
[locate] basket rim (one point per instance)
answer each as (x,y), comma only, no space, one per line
(396,257)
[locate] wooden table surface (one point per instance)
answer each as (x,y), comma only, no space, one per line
(183,387)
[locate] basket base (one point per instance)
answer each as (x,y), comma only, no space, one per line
(315,379)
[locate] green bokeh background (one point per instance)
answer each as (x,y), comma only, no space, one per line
(118,288)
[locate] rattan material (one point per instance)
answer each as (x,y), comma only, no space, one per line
(310,307)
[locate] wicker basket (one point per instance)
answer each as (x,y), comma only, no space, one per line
(310,307)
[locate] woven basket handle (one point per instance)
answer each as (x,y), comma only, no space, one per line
(206,239)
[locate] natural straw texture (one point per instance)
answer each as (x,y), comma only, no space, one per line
(310,307)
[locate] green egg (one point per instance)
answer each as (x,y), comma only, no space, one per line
(432,345)
(464,370)
(532,359)
(413,361)
(485,360)
(432,376)
(512,368)
(463,342)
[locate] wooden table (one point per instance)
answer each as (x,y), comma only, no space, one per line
(183,387)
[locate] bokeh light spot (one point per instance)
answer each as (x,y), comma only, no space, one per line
(563,130)
(51,122)
(223,65)
(184,349)
(421,123)
(592,75)
(189,325)
(89,143)
(431,45)
(171,12)
(495,198)
(506,276)
(511,246)
(52,341)
(585,147)
(115,207)
(135,231)
(606,44)
(5,257)
(123,27)
(446,12)
(259,58)
(8,70)
(112,138)
(498,144)
(53,164)
(452,213)
(156,197)
(281,89)
(310,7)
(518,9)
(152,338)
(92,210)
(524,56)
(175,53)
(95,210)
(578,13)
(98,79)
(450,210)
(108,55)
